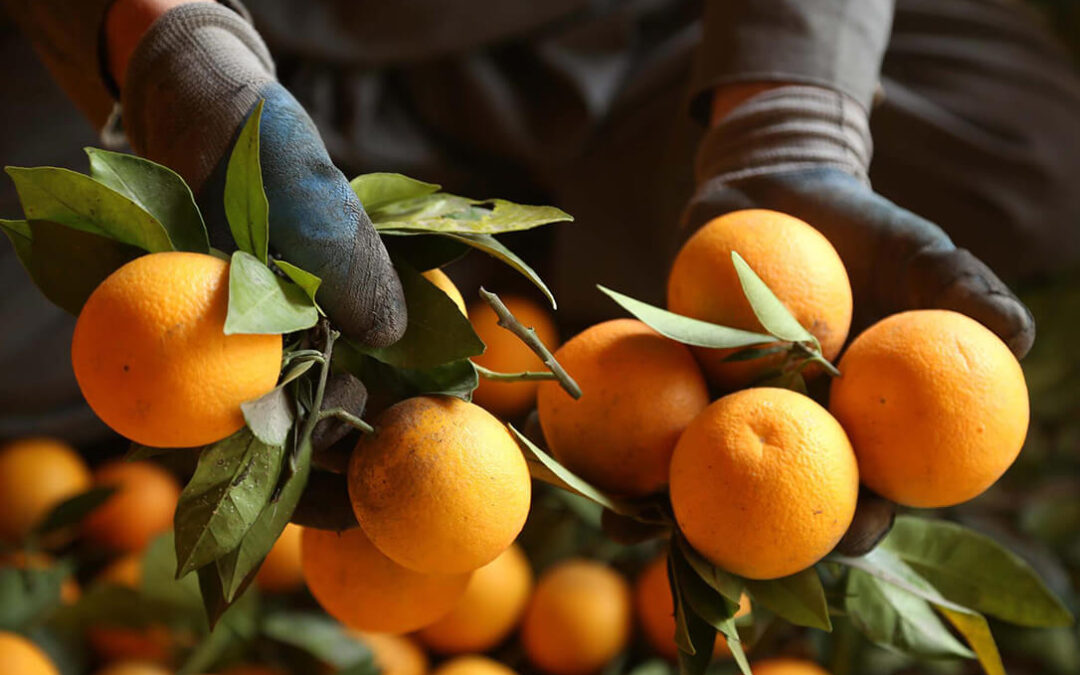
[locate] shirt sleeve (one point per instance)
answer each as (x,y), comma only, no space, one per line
(831,43)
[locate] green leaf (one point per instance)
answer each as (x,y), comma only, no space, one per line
(798,599)
(26,595)
(270,417)
(977,633)
(322,637)
(72,510)
(18,232)
(302,278)
(80,202)
(725,583)
(685,329)
(457,378)
(445,213)
(708,605)
(246,207)
(138,452)
(973,570)
(378,190)
(544,467)
(234,631)
(233,482)
(421,251)
(262,302)
(769,310)
(437,332)
(159,585)
(652,667)
(490,245)
(160,191)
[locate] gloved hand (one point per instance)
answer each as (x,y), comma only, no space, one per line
(805,151)
(191,83)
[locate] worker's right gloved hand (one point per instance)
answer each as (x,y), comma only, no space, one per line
(191,83)
(805,151)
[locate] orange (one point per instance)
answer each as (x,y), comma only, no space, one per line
(152,358)
(506,353)
(37,560)
(141,508)
(134,668)
(656,611)
(19,655)
(365,590)
(280,571)
(578,618)
(639,391)
(252,669)
(149,644)
(793,259)
(935,404)
(441,486)
(785,666)
(396,654)
(36,474)
(764,482)
(124,571)
(492,605)
(444,284)
(474,664)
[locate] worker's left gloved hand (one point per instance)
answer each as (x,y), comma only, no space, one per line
(190,85)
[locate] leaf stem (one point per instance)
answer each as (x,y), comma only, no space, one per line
(528,336)
(303,355)
(320,389)
(525,376)
(348,418)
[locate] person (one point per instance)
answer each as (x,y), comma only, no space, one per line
(580,102)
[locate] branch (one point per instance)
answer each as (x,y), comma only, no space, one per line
(348,418)
(526,376)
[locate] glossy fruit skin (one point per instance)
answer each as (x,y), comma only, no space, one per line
(579,618)
(141,508)
(786,666)
(493,603)
(764,482)
(506,353)
(280,571)
(396,654)
(152,359)
(935,404)
(441,486)
(21,656)
(473,664)
(793,259)
(36,474)
(444,284)
(365,590)
(640,390)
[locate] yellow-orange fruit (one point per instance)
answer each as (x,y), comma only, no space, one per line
(134,668)
(935,405)
(492,605)
(441,486)
(36,474)
(151,644)
(793,259)
(152,359)
(783,666)
(141,508)
(22,657)
(124,571)
(444,284)
(639,391)
(656,611)
(578,618)
(365,590)
(396,654)
(764,482)
(280,571)
(474,664)
(506,353)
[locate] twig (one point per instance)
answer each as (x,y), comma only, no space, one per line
(320,390)
(528,336)
(348,418)
(304,355)
(526,376)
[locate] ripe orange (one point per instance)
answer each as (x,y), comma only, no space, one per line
(152,358)
(36,474)
(134,668)
(784,666)
(444,284)
(150,644)
(141,508)
(365,590)
(492,605)
(656,611)
(440,487)
(578,618)
(935,404)
(506,353)
(474,664)
(124,571)
(764,482)
(396,654)
(793,259)
(639,391)
(19,655)
(280,572)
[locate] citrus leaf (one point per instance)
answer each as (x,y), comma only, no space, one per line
(457,378)
(798,599)
(160,191)
(544,467)
(270,417)
(708,605)
(437,332)
(773,315)
(80,202)
(685,329)
(160,584)
(18,232)
(262,302)
(246,208)
(977,633)
(725,583)
(751,353)
(445,213)
(421,251)
(27,595)
(378,190)
(233,482)
(73,509)
(137,452)
(318,635)
(652,667)
(973,570)
(302,278)
(492,246)
(233,630)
